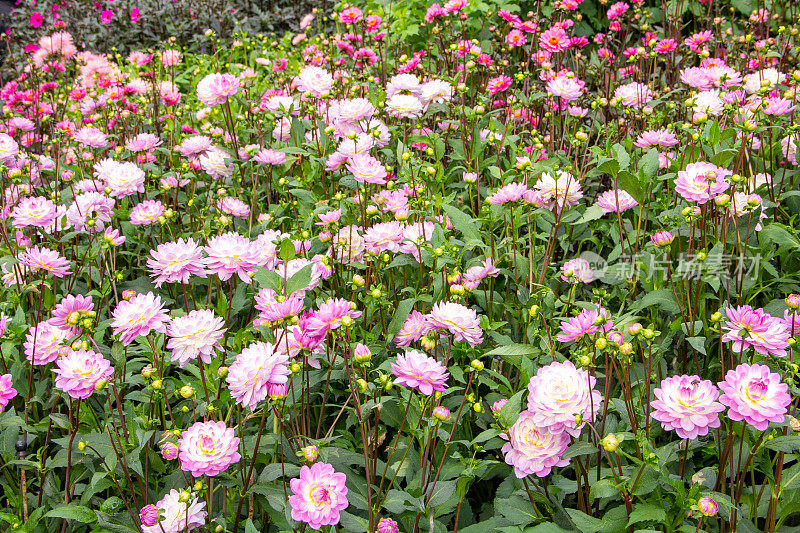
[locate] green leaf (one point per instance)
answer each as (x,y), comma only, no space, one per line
(777,234)
(443,491)
(403,310)
(513,353)
(647,512)
(517,509)
(604,488)
(78,513)
(269,280)
(622,156)
(250,527)
(788,444)
(351,522)
(584,522)
(578,449)
(698,343)
(592,212)
(273,471)
(509,414)
(630,184)
(463,222)
(649,164)
(300,280)
(664,299)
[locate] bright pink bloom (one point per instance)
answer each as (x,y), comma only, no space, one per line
(70,310)
(106,16)
(498,84)
(414,328)
(7,390)
(319,494)
(755,395)
(554,39)
(702,181)
(461,321)
(585,324)
(230,254)
(215,89)
(176,261)
(39,258)
(179,517)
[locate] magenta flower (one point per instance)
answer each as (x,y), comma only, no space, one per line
(707,506)
(498,84)
(747,327)
(79,372)
(534,450)
(755,395)
(319,494)
(138,316)
(561,398)
(178,516)
(7,390)
(687,405)
(387,525)
(148,515)
(258,366)
(662,238)
(106,16)
(36,20)
(169,451)
(208,448)
(416,370)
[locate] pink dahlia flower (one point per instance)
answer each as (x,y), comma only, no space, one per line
(40,258)
(319,494)
(387,525)
(216,88)
(576,271)
(532,449)
(616,201)
(513,192)
(585,324)
(258,366)
(138,316)
(461,321)
(561,398)
(208,448)
(367,169)
(755,395)
(176,261)
(634,94)
(230,254)
(79,372)
(687,405)
(746,327)
(416,370)
(656,139)
(179,516)
(44,341)
(414,328)
(7,390)
(195,335)
(69,310)
(701,182)
(36,211)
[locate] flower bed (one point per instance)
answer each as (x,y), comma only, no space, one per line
(471,272)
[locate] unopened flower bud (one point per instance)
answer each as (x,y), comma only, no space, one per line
(610,442)
(441,413)
(707,506)
(310,453)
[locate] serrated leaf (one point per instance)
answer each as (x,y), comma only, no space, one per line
(584,522)
(788,444)
(300,280)
(664,299)
(647,512)
(513,353)
(604,488)
(578,449)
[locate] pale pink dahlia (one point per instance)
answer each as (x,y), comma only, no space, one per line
(461,321)
(36,211)
(416,370)
(178,516)
(44,341)
(79,372)
(138,316)
(315,81)
(367,169)
(7,390)
(319,494)
(195,335)
(208,448)
(414,328)
(40,258)
(258,366)
(532,449)
(700,182)
(585,324)
(216,88)
(576,271)
(687,405)
(633,94)
(230,254)
(755,395)
(746,327)
(146,213)
(562,398)
(176,261)
(656,139)
(70,310)
(513,192)
(616,201)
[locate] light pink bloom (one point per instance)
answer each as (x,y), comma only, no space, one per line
(146,213)
(687,405)
(747,327)
(416,370)
(513,192)
(70,308)
(584,325)
(215,89)
(179,517)
(230,254)
(700,182)
(39,258)
(616,201)
(79,372)
(44,342)
(532,449)
(319,494)
(176,261)
(414,328)
(634,94)
(195,335)
(208,448)
(36,211)
(576,271)
(138,316)
(656,139)
(755,395)
(257,367)
(562,398)
(461,321)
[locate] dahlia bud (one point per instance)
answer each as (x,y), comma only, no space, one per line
(186,391)
(387,525)
(707,506)
(441,413)
(100,385)
(296,367)
(662,238)
(347,321)
(635,329)
(498,404)
(148,515)
(148,371)
(358,280)
(362,385)
(601,343)
(793,301)
(362,354)
(169,451)
(81,445)
(794,423)
(277,391)
(534,311)
(310,453)
(610,442)
(476,365)
(222,372)
(716,317)
(722,200)
(626,348)
(477,407)
(157,384)
(648,334)
(585,360)
(184,496)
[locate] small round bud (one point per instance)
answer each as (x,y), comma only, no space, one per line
(610,442)
(441,413)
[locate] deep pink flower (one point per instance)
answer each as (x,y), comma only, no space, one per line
(755,395)
(36,20)
(585,324)
(498,84)
(7,390)
(319,494)
(106,16)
